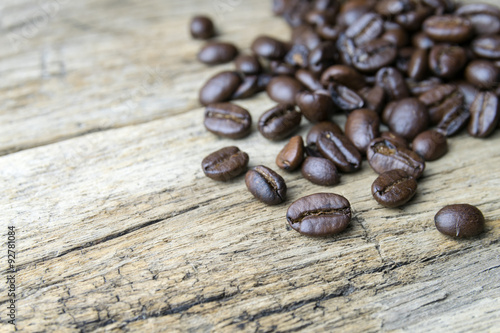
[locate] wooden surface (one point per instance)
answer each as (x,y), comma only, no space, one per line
(101,139)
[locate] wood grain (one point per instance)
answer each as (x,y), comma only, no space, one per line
(119,230)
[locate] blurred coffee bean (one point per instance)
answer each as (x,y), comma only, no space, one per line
(283,89)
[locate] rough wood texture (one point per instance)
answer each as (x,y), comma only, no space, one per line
(118,229)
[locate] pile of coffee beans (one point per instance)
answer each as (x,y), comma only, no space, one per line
(426,69)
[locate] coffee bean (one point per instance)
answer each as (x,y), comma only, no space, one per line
(291,156)
(305,35)
(372,56)
(315,106)
(468,91)
(403,59)
(461,220)
(320,171)
(369,27)
(412,19)
(345,98)
(485,115)
(351,11)
(322,57)
(320,17)
(277,67)
(396,139)
(228,120)
(422,41)
(330,32)
(346,48)
(308,79)
(283,89)
(315,132)
(320,214)
(361,127)
(408,117)
(447,60)
(298,56)
(343,75)
(215,53)
(395,34)
(419,64)
(440,6)
(248,88)
(484,18)
(448,28)
(337,148)
(202,27)
(418,88)
(431,145)
(487,47)
(393,83)
(220,87)
(482,73)
(266,185)
(394,188)
(383,155)
(269,48)
(374,98)
(392,7)
(453,121)
(248,64)
(225,164)
(441,100)
(279,122)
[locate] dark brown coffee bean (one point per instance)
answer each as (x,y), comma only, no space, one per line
(393,83)
(396,139)
(482,73)
(487,47)
(395,34)
(485,18)
(394,188)
(441,100)
(228,120)
(440,6)
(263,81)
(408,118)
(315,106)
(248,88)
(320,17)
(202,27)
(322,57)
(220,87)
(315,132)
(372,56)
(447,60)
(343,75)
(215,53)
(346,49)
(461,220)
(248,64)
(320,171)
(345,98)
(283,89)
(484,115)
(468,91)
(320,214)
(369,27)
(419,64)
(418,88)
(383,155)
(374,98)
(431,145)
(422,41)
(269,48)
(291,156)
(412,20)
(266,185)
(392,7)
(279,122)
(403,59)
(305,35)
(337,148)
(298,56)
(281,68)
(448,28)
(453,121)
(330,32)
(225,164)
(308,79)
(361,127)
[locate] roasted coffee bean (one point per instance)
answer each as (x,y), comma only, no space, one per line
(369,27)
(202,27)
(403,59)
(322,57)
(453,121)
(281,68)
(396,139)
(315,132)
(220,87)
(448,28)
(441,100)
(248,64)
(320,17)
(330,32)
(298,56)
(361,127)
(295,12)
(248,88)
(308,79)
(263,81)
(412,20)
(283,89)
(408,118)
(320,171)
(266,185)
(485,18)
(419,64)
(374,98)
(468,91)
(431,145)
(461,220)
(394,188)
(228,120)
(320,214)
(343,75)
(418,88)
(351,11)
(215,53)
(383,155)
(305,35)
(345,98)
(395,34)
(440,6)
(393,83)
(372,56)
(269,48)
(279,122)
(482,73)
(487,47)
(291,156)
(337,148)
(485,114)
(447,60)
(392,7)
(225,164)
(422,41)
(315,106)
